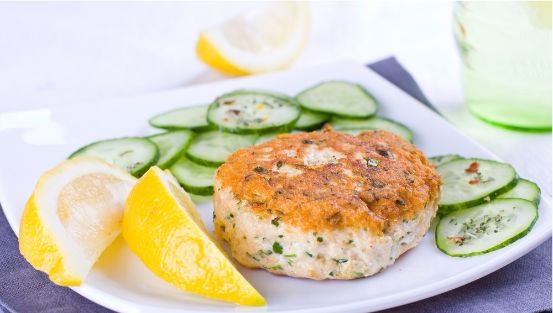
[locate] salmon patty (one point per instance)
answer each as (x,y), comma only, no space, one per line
(325,205)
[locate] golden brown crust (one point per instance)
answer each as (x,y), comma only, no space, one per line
(376,179)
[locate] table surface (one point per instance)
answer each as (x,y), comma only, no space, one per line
(81,52)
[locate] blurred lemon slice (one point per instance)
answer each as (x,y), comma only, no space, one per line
(163,228)
(73,214)
(263,39)
(539,13)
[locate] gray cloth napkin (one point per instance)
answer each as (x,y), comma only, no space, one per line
(523,286)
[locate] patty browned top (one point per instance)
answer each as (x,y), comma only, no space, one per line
(369,180)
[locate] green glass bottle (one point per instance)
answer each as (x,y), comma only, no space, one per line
(506,52)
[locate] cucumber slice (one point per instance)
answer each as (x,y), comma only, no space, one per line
(355,126)
(194,117)
(441,159)
(469,182)
(253,112)
(274,94)
(213,147)
(198,199)
(524,189)
(194,178)
(486,227)
(265,137)
(133,154)
(339,98)
(310,120)
(171,145)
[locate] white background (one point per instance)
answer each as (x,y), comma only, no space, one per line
(72,53)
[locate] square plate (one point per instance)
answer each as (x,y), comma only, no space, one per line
(36,140)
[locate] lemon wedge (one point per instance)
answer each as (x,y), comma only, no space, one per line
(263,39)
(163,228)
(73,214)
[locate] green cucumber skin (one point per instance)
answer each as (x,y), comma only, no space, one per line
(409,137)
(496,247)
(200,198)
(263,138)
(448,208)
(240,131)
(255,131)
(365,91)
(273,93)
(200,191)
(437,159)
(202,161)
(136,172)
(212,157)
(200,129)
(204,190)
(205,127)
(146,167)
(536,200)
(408,132)
(444,209)
(313,126)
(174,159)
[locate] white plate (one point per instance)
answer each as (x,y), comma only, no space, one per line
(33,141)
